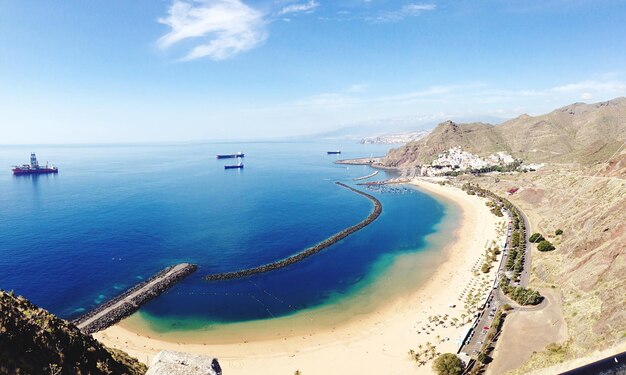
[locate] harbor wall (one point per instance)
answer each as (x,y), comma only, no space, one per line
(378,208)
(125,304)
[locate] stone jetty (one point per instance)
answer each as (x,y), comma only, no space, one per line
(366,177)
(361,161)
(128,302)
(378,209)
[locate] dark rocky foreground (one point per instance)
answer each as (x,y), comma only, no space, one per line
(378,208)
(34,341)
(128,302)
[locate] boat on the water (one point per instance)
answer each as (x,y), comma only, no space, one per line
(333,152)
(34,167)
(231,156)
(236,166)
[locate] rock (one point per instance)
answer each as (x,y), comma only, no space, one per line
(177,363)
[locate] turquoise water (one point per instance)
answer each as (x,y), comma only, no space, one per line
(117,214)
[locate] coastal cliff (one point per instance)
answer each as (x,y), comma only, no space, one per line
(34,341)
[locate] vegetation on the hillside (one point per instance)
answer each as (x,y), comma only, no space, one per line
(33,341)
(511,167)
(558,232)
(545,245)
(521,295)
(536,237)
(448,364)
(516,257)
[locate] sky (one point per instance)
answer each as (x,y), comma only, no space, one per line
(122,71)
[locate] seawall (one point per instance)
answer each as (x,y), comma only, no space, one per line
(378,209)
(127,303)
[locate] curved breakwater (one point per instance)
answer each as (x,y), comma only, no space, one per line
(378,208)
(366,177)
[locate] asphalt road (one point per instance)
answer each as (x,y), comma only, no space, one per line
(611,365)
(494,301)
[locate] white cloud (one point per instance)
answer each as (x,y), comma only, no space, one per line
(357,87)
(223,28)
(591,86)
(586,96)
(408,10)
(297,8)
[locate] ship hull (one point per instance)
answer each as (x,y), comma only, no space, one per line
(230,156)
(333,152)
(18,171)
(233,167)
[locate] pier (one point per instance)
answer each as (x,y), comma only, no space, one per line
(378,209)
(366,177)
(128,302)
(361,161)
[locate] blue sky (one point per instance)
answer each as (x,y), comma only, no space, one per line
(133,71)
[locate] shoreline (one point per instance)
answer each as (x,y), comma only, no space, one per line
(375,342)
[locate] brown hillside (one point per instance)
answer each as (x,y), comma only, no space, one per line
(588,267)
(582,133)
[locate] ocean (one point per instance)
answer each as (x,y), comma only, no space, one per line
(116,214)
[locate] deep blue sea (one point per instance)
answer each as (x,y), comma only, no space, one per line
(117,214)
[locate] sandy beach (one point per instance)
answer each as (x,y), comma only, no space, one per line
(376,343)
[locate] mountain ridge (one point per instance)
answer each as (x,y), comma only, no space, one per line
(579,132)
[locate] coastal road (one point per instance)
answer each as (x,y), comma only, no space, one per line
(496,298)
(494,301)
(129,298)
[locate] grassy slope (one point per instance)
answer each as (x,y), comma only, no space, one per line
(33,341)
(589,263)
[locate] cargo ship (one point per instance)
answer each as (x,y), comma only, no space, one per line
(236,166)
(231,156)
(34,167)
(333,152)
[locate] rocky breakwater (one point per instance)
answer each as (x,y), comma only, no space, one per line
(128,302)
(378,209)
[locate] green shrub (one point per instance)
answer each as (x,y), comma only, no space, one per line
(545,246)
(536,237)
(448,364)
(485,268)
(558,232)
(525,296)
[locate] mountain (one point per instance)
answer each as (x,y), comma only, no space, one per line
(582,133)
(400,138)
(34,341)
